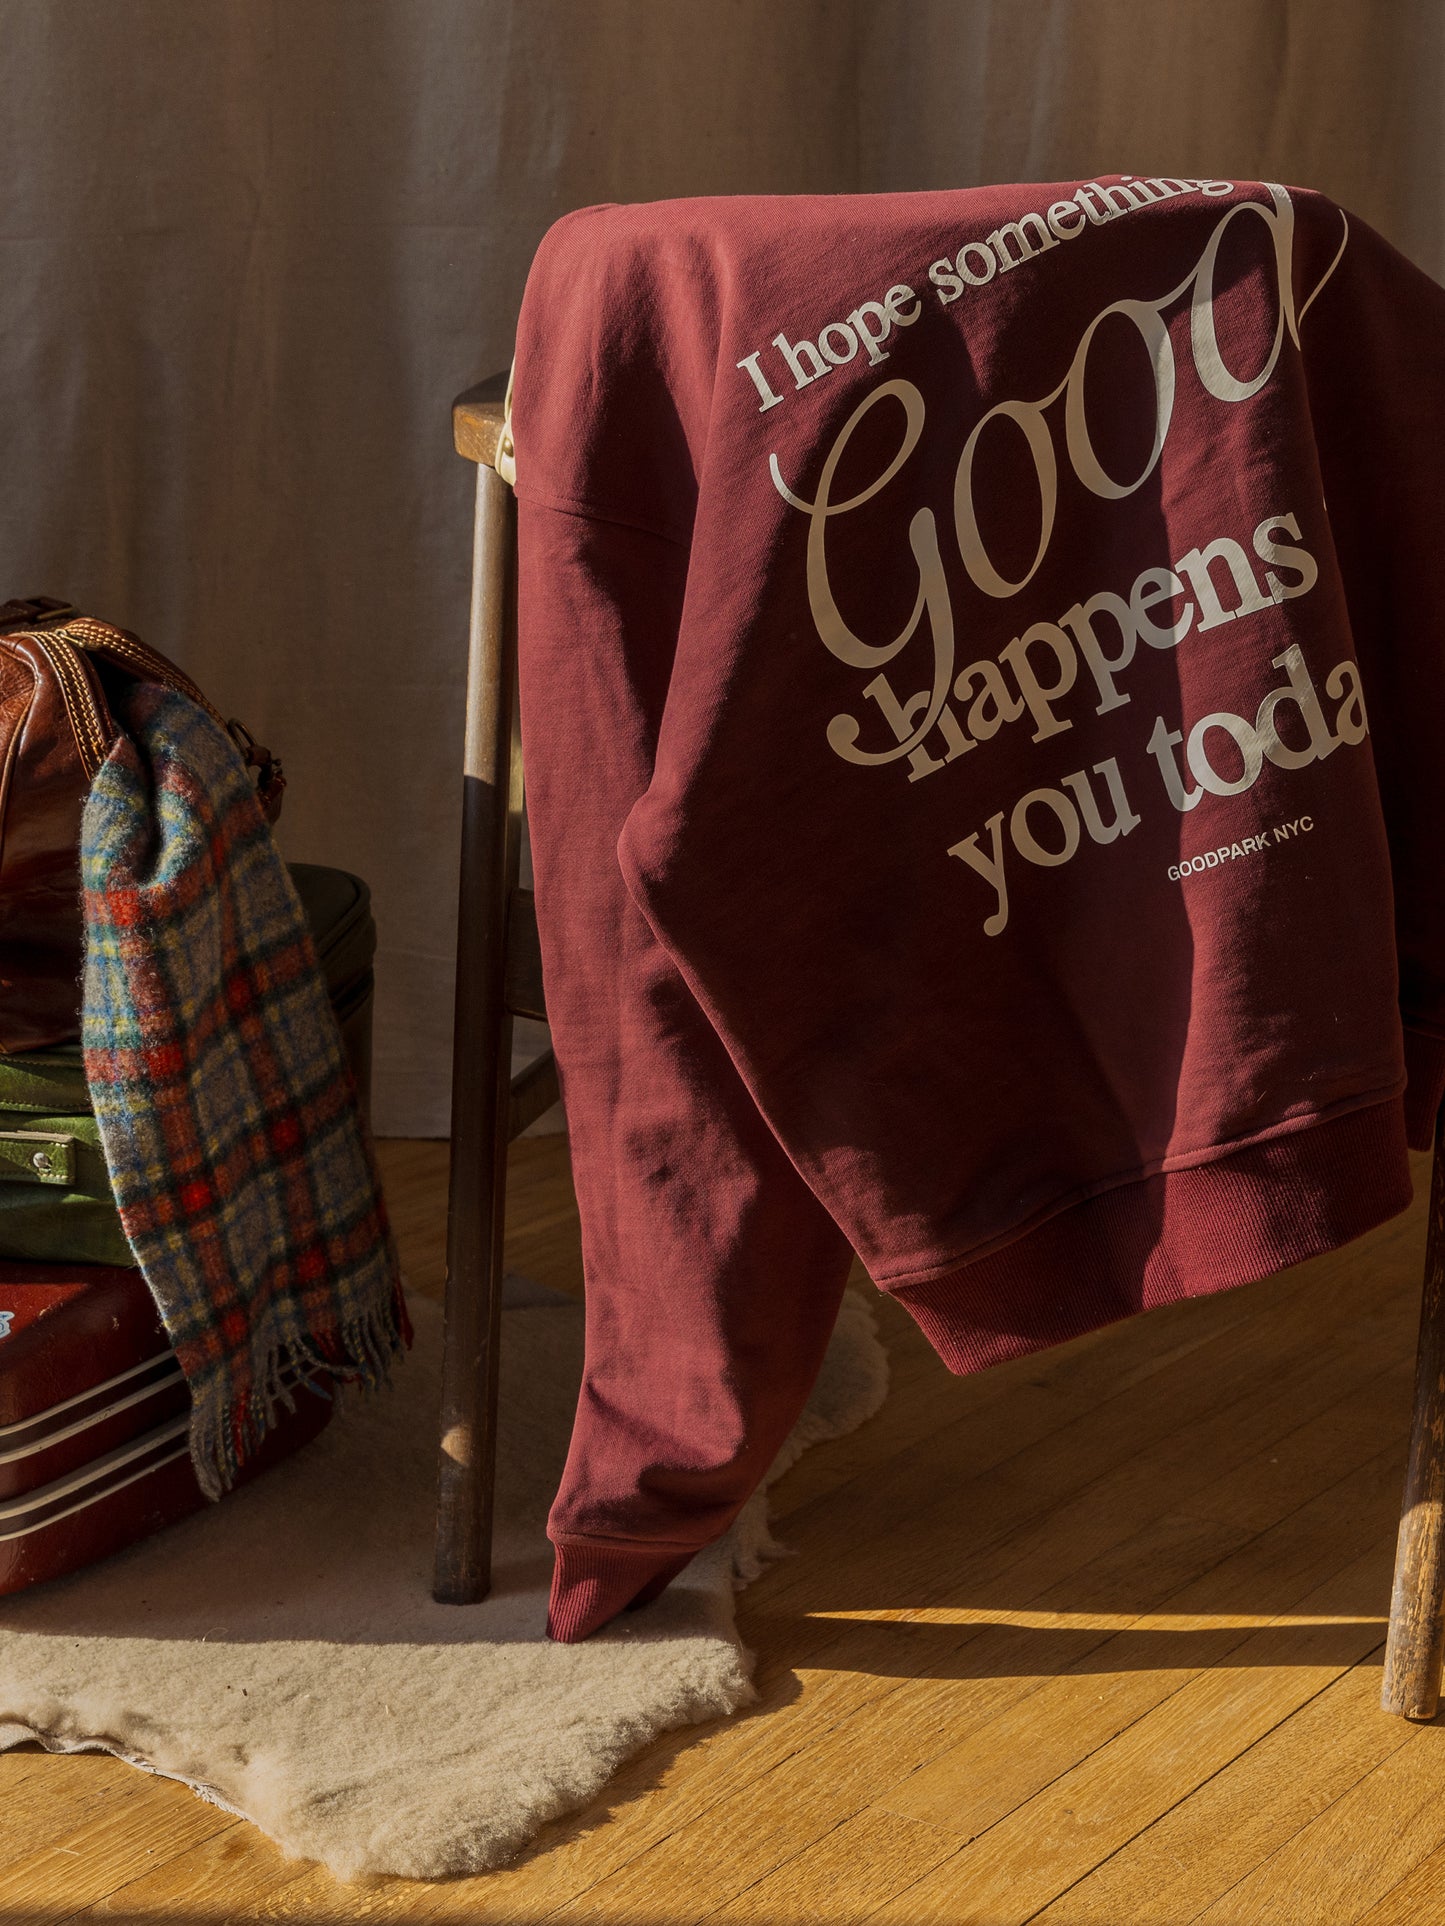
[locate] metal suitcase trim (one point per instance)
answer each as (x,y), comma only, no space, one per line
(33,1435)
(91,1483)
(95,1481)
(15,1441)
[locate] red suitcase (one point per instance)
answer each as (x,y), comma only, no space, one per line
(94,1416)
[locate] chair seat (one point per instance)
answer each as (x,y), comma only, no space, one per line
(477,418)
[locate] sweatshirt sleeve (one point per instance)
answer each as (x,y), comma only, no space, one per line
(713,1275)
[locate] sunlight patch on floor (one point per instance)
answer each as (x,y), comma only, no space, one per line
(1095,1621)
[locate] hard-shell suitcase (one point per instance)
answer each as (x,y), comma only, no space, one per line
(55,1195)
(94,1417)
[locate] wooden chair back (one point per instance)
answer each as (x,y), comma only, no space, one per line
(499,977)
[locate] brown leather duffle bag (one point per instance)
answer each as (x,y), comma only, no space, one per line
(58,669)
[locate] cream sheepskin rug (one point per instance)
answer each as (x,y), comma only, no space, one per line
(281,1652)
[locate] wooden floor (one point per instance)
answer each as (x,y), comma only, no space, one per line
(1092,1640)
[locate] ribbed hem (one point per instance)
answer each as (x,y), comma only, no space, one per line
(1425,1090)
(593,1582)
(1179,1234)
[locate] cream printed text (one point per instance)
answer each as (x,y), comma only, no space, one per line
(798,364)
(1078,661)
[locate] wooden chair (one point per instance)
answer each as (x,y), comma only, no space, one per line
(499,976)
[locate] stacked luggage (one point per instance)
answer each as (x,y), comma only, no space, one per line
(94,1411)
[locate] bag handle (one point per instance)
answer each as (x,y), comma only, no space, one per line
(128,653)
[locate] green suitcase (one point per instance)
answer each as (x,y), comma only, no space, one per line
(55,1196)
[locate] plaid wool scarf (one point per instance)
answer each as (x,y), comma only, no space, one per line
(227,1113)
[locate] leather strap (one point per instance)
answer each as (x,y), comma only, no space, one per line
(30,614)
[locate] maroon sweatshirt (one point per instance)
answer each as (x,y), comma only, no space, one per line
(982,682)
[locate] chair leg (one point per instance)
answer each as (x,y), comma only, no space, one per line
(481,1063)
(1417,1608)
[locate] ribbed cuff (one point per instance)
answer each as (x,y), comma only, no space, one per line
(593,1582)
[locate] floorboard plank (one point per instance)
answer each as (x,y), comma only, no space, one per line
(1416,1900)
(1210,1842)
(841,1877)
(231,1868)
(1332,1872)
(1012,1871)
(126,1837)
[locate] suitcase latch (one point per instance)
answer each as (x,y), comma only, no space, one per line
(37,1157)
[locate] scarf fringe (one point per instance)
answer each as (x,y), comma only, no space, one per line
(226,1430)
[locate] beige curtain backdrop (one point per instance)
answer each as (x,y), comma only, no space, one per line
(249,249)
